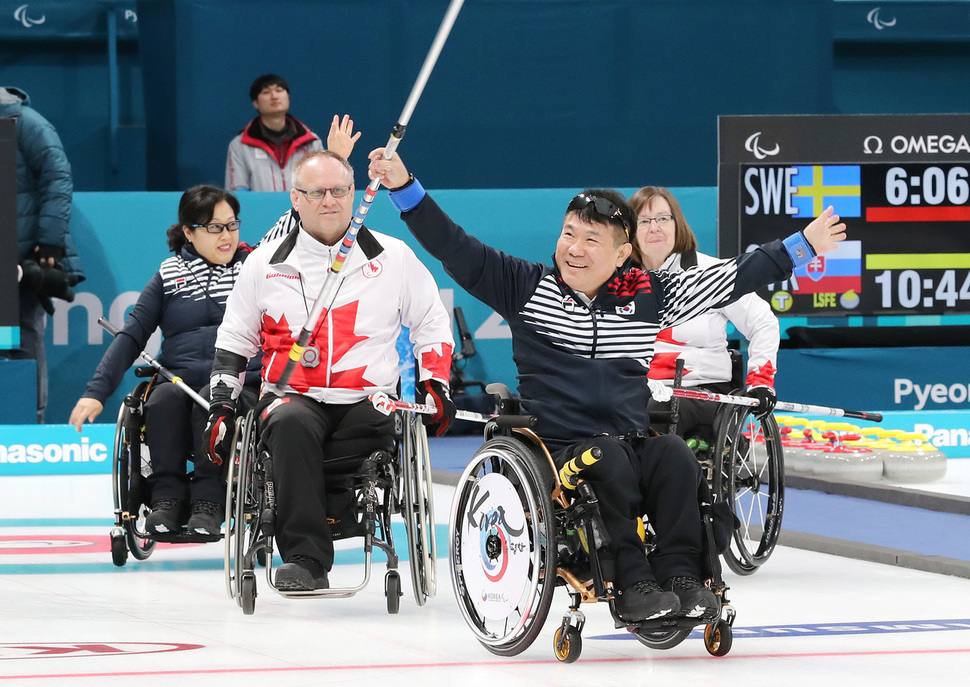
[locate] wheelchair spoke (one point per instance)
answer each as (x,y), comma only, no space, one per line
(751,478)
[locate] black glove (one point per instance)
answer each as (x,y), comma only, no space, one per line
(218,432)
(766,401)
(49,255)
(438,394)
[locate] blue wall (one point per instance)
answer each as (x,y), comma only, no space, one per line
(527,93)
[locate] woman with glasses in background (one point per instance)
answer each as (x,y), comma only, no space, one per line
(186,299)
(665,241)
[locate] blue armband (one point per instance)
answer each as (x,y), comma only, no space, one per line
(799,249)
(408,196)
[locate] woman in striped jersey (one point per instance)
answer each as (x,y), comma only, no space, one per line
(186,299)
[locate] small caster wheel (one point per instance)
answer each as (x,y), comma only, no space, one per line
(392,590)
(119,550)
(247,592)
(718,638)
(568,647)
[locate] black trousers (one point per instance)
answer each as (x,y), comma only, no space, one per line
(173,431)
(295,431)
(33,324)
(659,478)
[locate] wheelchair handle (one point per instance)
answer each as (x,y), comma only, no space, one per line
(511,421)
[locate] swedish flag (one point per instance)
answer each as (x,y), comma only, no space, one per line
(818,186)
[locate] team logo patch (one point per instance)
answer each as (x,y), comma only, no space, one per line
(372,269)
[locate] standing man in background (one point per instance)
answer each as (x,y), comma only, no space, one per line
(261,157)
(45,250)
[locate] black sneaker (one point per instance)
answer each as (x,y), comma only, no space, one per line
(206,518)
(301,574)
(696,601)
(645,600)
(167,517)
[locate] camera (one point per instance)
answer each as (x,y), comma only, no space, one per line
(51,282)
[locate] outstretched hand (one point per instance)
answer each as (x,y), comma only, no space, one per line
(825,231)
(85,409)
(392,172)
(342,138)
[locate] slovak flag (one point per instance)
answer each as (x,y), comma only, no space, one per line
(838,271)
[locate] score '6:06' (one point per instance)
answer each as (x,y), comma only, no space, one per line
(934,186)
(911,286)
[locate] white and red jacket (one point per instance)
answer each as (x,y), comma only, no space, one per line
(257,164)
(382,286)
(702,342)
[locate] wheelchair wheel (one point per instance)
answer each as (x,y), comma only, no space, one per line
(418,509)
(392,590)
(247,593)
(127,483)
(119,550)
(661,639)
(239,504)
(502,533)
(568,647)
(718,638)
(750,475)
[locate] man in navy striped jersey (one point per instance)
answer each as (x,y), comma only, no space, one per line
(583,332)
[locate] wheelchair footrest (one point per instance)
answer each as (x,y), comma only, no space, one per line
(347,529)
(665,624)
(186,537)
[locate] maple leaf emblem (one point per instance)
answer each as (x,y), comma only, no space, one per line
(278,340)
(663,366)
(439,365)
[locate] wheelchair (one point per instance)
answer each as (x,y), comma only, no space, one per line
(744,464)
(130,469)
(389,478)
(515,536)
(750,475)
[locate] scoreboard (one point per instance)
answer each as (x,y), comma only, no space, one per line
(901,184)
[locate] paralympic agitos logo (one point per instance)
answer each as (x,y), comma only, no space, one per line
(753,145)
(20,14)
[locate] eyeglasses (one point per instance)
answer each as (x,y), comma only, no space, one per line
(602,206)
(662,221)
(216,228)
(321,193)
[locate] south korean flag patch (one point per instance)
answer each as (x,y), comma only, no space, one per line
(626,310)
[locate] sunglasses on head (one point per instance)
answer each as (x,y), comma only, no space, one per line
(601,206)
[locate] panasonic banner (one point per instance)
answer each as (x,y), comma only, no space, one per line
(55,450)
